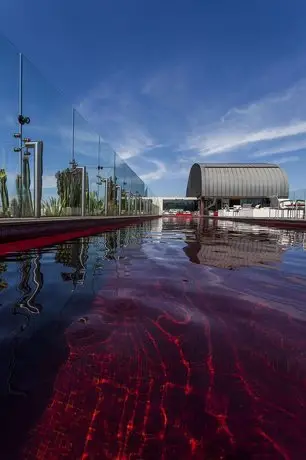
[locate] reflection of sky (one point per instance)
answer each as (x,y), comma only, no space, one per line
(51,121)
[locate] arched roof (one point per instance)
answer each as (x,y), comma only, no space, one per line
(237,180)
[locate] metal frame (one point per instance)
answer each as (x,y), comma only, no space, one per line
(38,173)
(83,188)
(119,200)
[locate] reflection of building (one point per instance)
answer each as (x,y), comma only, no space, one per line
(283,237)
(232,249)
(219,185)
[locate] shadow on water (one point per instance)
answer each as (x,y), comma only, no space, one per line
(153,341)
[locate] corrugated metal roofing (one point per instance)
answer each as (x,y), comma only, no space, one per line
(237,180)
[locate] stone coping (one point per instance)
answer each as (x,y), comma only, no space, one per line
(12,229)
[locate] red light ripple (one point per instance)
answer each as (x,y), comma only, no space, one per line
(175,373)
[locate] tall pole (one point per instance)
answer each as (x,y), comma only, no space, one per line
(20,127)
(83,198)
(73,130)
(115,168)
(99,148)
(106,197)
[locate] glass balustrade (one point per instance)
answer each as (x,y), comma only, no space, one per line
(82,174)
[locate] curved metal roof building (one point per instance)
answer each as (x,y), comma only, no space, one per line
(237,180)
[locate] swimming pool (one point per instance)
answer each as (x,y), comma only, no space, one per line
(174,339)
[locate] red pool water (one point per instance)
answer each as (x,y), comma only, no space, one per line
(174,340)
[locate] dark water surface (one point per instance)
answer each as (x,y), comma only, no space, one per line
(172,340)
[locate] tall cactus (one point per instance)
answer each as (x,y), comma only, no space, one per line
(24,195)
(4,192)
(69,187)
(28,210)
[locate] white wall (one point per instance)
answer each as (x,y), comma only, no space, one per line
(264,213)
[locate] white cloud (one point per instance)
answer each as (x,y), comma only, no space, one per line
(287,160)
(158,173)
(291,146)
(266,123)
(135,143)
(115,108)
(49,181)
(224,141)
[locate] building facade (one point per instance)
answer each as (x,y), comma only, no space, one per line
(220,185)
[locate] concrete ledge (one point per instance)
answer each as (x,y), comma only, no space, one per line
(28,228)
(279,223)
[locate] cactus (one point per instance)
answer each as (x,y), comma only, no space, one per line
(95,205)
(24,195)
(19,195)
(15,211)
(52,207)
(4,192)
(69,187)
(28,210)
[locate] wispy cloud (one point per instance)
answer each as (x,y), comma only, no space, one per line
(221,142)
(287,159)
(157,173)
(135,143)
(161,169)
(264,124)
(285,147)
(115,111)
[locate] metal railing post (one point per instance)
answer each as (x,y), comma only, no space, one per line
(38,172)
(106,197)
(119,200)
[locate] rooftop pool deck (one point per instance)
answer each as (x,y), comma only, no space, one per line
(168,339)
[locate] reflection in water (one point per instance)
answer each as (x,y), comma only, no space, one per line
(31,283)
(73,254)
(231,249)
(157,357)
(3,282)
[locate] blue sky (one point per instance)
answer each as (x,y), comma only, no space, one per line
(165,83)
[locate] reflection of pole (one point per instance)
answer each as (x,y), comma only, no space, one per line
(27,302)
(82,269)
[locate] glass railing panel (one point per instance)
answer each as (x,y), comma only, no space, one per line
(85,155)
(299,194)
(70,144)
(10,160)
(107,175)
(51,122)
